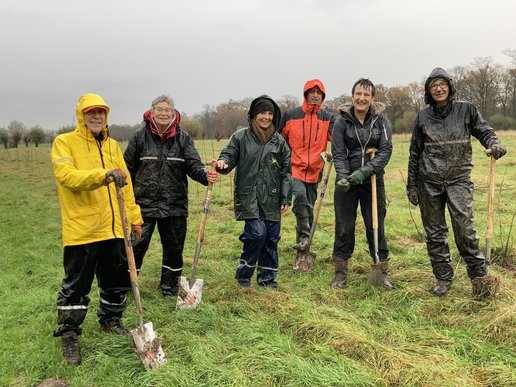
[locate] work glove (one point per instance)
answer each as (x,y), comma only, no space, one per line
(118,176)
(356,177)
(412,195)
(498,150)
(136,233)
(343,184)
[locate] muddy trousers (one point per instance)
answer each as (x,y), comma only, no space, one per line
(172,232)
(107,260)
(458,198)
(305,195)
(346,206)
(260,238)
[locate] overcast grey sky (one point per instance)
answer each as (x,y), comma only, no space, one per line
(207,52)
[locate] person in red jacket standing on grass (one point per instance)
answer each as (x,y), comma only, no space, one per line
(307,130)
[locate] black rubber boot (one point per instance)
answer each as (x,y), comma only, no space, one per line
(115,326)
(303,229)
(71,348)
(341,272)
(441,288)
(484,287)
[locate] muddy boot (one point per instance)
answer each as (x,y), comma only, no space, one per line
(303,229)
(441,288)
(384,280)
(71,349)
(341,273)
(114,325)
(484,287)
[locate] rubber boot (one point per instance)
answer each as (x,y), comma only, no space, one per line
(71,349)
(441,287)
(341,272)
(385,282)
(114,325)
(303,228)
(484,287)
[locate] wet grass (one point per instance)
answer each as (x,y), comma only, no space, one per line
(303,334)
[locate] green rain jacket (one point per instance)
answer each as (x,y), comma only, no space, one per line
(263,172)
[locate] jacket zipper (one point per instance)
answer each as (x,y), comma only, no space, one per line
(99,145)
(308,150)
(362,147)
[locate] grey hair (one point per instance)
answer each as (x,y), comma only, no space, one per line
(163,98)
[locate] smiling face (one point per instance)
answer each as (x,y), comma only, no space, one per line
(162,114)
(314,96)
(362,99)
(440,91)
(264,119)
(95,120)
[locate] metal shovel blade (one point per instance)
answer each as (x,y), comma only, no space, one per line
(304,261)
(148,347)
(189,294)
(376,275)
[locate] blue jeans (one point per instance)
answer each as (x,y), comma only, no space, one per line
(260,238)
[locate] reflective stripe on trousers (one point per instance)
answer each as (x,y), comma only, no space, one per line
(260,248)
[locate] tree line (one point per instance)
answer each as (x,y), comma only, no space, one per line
(490,86)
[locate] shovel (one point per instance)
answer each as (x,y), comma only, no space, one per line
(490,205)
(376,275)
(145,340)
(190,288)
(305,259)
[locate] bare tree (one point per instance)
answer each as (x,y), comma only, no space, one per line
(4,137)
(288,102)
(16,131)
(483,83)
(511,53)
(37,135)
(417,96)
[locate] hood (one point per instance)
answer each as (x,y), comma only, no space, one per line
(307,107)
(169,132)
(277,112)
(439,72)
(89,101)
(376,109)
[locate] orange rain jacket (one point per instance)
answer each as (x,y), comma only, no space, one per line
(89,207)
(307,130)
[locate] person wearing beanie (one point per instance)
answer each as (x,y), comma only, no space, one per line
(439,169)
(88,164)
(307,130)
(160,157)
(262,191)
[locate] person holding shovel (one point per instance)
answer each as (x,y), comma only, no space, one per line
(87,165)
(307,130)
(360,127)
(263,189)
(439,170)
(160,157)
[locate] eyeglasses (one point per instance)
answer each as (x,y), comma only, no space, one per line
(442,85)
(163,110)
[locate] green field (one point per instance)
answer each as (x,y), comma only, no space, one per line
(302,334)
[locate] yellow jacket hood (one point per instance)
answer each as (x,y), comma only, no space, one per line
(87,102)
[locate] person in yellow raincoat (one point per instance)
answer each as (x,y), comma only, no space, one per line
(85,162)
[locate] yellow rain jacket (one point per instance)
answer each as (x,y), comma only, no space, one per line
(89,207)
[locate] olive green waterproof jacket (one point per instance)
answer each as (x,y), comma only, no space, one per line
(263,175)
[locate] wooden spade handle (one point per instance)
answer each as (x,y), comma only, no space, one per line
(490,203)
(374,200)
